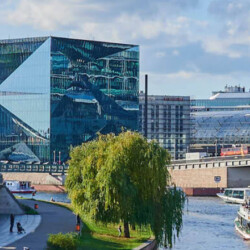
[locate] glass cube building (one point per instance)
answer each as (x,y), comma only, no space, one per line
(58,92)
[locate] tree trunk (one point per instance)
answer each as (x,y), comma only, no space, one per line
(126,230)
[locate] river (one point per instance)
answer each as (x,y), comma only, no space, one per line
(208,223)
(59,197)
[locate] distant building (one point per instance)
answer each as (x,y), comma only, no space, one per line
(223,119)
(231,99)
(168,122)
(59,92)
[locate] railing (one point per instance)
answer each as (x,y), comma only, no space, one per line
(213,159)
(34,168)
(211,164)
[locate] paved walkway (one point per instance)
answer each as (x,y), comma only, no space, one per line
(28,222)
(55,219)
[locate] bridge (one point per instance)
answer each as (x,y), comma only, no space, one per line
(211,173)
(212,162)
(34,168)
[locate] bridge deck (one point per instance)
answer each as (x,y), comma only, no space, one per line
(212,162)
(33,168)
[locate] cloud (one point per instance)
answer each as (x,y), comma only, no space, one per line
(179,39)
(51,14)
(234,32)
(194,84)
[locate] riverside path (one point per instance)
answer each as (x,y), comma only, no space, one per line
(54,219)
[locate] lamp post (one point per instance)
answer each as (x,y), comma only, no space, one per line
(216,151)
(59,158)
(54,157)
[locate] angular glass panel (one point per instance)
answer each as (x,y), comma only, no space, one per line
(26,92)
(94,88)
(14,52)
(25,108)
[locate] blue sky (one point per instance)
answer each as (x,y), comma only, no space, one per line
(187,47)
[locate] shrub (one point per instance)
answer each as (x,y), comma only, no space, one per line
(62,241)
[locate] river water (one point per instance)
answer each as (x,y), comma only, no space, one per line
(208,223)
(59,197)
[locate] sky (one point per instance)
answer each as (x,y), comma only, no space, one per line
(187,47)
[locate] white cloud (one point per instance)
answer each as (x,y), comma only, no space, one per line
(50,14)
(195,84)
(181,74)
(176,52)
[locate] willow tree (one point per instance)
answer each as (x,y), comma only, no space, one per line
(124,179)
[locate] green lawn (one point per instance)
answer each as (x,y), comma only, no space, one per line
(99,236)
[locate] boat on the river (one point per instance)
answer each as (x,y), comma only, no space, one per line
(20,187)
(242,221)
(235,195)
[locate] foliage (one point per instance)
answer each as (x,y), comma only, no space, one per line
(62,241)
(123,178)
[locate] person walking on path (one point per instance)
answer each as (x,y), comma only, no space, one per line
(120,230)
(78,223)
(78,220)
(12,220)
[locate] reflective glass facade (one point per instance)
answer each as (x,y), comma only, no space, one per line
(221,127)
(58,92)
(223,119)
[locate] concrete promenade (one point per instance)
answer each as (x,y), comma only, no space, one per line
(28,222)
(55,219)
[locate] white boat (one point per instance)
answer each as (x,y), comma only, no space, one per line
(234,195)
(21,187)
(242,221)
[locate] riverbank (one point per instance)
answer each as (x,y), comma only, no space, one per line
(55,219)
(201,191)
(36,178)
(50,188)
(96,236)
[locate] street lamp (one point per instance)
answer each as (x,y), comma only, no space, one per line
(59,158)
(54,156)
(216,151)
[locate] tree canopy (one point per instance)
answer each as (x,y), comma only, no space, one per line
(124,178)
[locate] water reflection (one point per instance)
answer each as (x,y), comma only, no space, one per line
(59,197)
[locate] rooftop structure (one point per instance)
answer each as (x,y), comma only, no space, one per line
(232,98)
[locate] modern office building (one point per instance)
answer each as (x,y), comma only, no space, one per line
(223,119)
(168,122)
(58,92)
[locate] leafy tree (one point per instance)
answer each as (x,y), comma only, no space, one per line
(124,179)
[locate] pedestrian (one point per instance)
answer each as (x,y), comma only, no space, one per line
(78,219)
(120,230)
(12,220)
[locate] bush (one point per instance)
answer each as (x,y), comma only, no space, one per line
(62,241)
